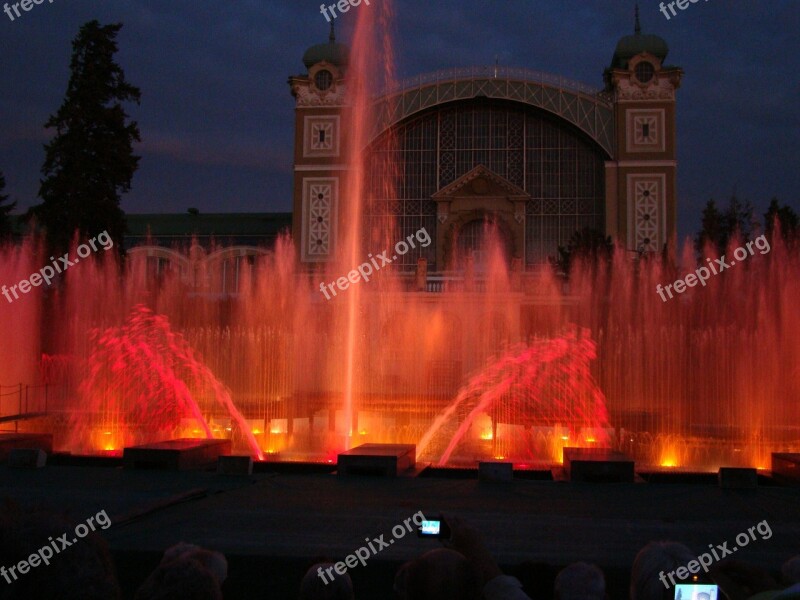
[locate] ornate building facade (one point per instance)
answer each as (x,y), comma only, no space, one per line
(536,155)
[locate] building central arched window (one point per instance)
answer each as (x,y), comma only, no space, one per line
(558,166)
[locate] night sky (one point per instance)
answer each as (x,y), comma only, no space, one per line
(217,115)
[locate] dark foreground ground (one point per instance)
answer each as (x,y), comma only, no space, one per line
(271,525)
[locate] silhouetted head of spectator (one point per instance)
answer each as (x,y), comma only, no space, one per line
(180,578)
(84,569)
(791,593)
(738,578)
(790,571)
(328,586)
(580,581)
(186,571)
(537,577)
(213,561)
(438,574)
(653,560)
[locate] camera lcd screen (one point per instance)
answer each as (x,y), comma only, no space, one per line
(431,527)
(696,591)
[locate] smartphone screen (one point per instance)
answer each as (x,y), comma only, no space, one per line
(696,591)
(431,528)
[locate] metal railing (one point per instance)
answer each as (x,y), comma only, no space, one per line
(19,402)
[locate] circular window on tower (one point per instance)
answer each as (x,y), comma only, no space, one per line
(323,80)
(645,71)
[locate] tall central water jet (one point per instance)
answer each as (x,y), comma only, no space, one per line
(368,71)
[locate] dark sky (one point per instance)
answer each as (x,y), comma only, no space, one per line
(217,116)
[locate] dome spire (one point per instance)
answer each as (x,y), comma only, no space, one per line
(636,43)
(332,52)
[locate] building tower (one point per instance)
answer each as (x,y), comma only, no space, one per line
(320,148)
(641,205)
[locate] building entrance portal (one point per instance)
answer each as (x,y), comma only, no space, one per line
(483,240)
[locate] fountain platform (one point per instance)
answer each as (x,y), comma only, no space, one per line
(597,465)
(176,455)
(271,525)
(387,460)
(15,441)
(786,466)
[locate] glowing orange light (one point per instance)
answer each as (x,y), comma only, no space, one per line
(362,432)
(565,437)
(276,430)
(591,440)
(669,457)
(107,433)
(487,435)
(499,457)
(256,431)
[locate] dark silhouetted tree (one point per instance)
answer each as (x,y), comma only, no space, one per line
(718,228)
(585,244)
(6,225)
(739,220)
(711,227)
(785,218)
(89,163)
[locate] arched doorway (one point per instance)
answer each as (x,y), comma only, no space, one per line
(483,239)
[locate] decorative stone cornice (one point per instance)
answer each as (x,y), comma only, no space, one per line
(510,191)
(306,96)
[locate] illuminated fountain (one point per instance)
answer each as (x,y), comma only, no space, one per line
(708,379)
(144,382)
(546,386)
(499,363)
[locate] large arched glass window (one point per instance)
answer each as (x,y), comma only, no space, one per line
(559,166)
